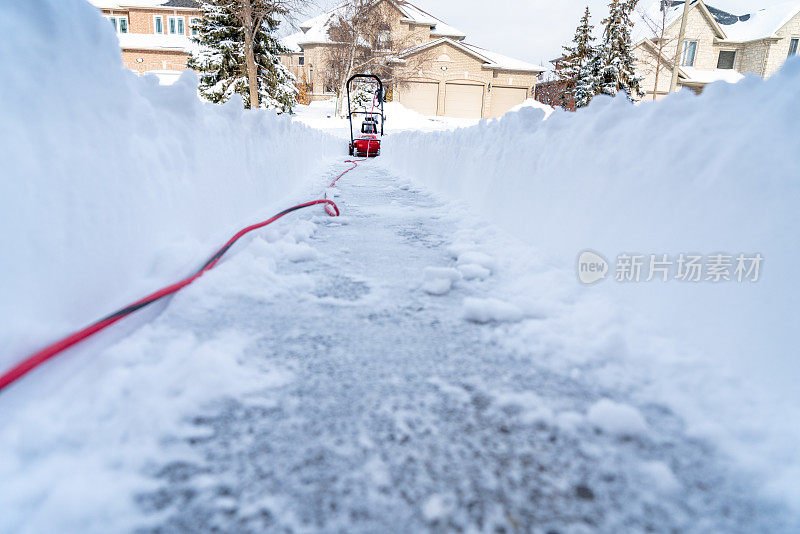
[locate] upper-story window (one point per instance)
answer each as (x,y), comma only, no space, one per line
(689,53)
(726,60)
(194,24)
(158,24)
(794,44)
(175,25)
(301,61)
(120,23)
(384,40)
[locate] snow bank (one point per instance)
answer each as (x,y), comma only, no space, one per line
(112,185)
(694,175)
(535,104)
(322,115)
(709,174)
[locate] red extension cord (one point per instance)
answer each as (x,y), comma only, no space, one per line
(34,361)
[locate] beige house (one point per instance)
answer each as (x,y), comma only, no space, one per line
(724,40)
(154,35)
(449,77)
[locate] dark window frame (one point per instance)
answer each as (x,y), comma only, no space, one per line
(794,42)
(687,44)
(732,60)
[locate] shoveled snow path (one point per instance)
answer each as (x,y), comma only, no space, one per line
(399,415)
(404,368)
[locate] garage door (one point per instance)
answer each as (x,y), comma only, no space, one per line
(505,98)
(463,101)
(422,97)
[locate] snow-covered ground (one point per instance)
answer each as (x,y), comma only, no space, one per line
(426,362)
(399,118)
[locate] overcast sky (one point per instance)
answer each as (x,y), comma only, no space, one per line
(532,30)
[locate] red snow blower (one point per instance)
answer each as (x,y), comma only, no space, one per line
(369,143)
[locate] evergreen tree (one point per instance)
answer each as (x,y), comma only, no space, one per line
(616,61)
(588,84)
(611,70)
(222,63)
(576,57)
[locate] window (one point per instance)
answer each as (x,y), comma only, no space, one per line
(301,61)
(793,45)
(120,24)
(158,24)
(689,53)
(194,24)
(726,59)
(384,41)
(176,25)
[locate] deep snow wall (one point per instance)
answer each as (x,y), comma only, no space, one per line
(718,173)
(112,185)
(708,174)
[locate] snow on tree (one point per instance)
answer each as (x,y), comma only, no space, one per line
(611,69)
(588,83)
(239,54)
(616,60)
(576,57)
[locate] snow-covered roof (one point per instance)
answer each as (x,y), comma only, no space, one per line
(736,20)
(290,42)
(148,41)
(504,62)
(414,14)
(315,30)
(698,76)
(490,59)
(752,23)
(124,4)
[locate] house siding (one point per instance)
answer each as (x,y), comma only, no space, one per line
(762,57)
(154,60)
(699,29)
(779,51)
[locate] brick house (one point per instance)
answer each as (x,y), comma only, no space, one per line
(153,34)
(451,76)
(722,42)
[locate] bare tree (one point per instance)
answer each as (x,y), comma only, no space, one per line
(657,26)
(362,42)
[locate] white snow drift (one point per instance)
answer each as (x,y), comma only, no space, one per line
(111,185)
(719,173)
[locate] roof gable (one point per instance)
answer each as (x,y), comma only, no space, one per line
(489,59)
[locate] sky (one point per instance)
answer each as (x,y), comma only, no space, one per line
(531,30)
